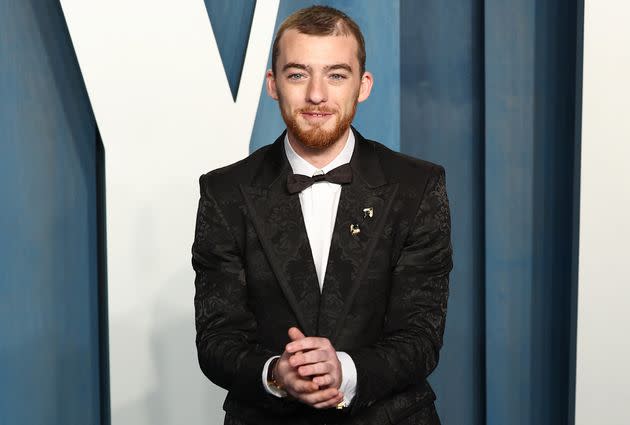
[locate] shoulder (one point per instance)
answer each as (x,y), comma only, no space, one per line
(232,175)
(404,169)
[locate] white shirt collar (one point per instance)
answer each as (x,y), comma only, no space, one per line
(301,166)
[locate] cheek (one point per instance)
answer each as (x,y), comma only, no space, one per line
(348,97)
(290,103)
(284,103)
(291,92)
(347,106)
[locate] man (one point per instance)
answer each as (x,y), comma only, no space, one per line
(322,260)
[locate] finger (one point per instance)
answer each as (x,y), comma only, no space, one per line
(333,402)
(309,357)
(295,334)
(308,343)
(319,396)
(323,380)
(304,386)
(315,369)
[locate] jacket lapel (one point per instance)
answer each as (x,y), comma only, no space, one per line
(277,218)
(351,252)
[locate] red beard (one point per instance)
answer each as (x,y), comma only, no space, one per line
(316,136)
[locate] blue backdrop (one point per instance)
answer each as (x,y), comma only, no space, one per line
(485,88)
(49,349)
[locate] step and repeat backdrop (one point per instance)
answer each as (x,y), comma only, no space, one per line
(110,112)
(166,115)
(603,348)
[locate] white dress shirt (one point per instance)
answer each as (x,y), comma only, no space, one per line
(319,208)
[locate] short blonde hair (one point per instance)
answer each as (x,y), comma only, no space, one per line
(320,20)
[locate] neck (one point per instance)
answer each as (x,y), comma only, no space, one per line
(319,157)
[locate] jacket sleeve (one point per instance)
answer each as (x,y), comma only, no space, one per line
(227,347)
(414,324)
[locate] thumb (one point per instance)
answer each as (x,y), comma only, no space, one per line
(295,334)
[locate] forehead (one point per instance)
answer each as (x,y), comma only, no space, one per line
(317,49)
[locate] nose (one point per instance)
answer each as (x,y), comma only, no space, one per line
(316,92)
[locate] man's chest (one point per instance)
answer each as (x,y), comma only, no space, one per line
(363,235)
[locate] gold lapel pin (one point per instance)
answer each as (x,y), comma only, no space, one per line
(368,212)
(354,229)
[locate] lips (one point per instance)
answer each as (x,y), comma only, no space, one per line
(316,117)
(315,114)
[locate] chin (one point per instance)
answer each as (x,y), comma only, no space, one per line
(314,135)
(319,138)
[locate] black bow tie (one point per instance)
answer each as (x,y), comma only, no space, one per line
(340,175)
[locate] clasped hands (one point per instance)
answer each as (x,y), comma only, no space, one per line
(310,371)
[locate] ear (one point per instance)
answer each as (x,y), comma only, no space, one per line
(367,80)
(270,84)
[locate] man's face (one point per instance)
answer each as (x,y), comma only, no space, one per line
(317,83)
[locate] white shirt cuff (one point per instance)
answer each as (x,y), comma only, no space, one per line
(348,377)
(271,390)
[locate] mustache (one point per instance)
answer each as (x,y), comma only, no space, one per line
(316,111)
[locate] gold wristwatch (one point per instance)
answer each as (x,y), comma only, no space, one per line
(271,376)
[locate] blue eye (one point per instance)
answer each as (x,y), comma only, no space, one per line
(338,76)
(296,76)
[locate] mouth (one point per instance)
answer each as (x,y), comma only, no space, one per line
(312,116)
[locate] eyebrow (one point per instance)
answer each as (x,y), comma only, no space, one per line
(344,66)
(335,66)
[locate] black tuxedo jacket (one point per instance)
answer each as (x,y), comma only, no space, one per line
(384,294)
